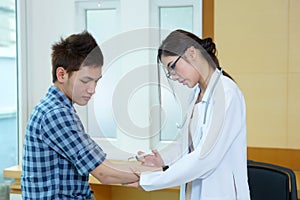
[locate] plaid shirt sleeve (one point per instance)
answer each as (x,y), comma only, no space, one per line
(64,133)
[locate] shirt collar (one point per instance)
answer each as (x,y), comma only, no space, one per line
(60,96)
(211,83)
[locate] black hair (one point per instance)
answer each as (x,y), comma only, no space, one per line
(75,51)
(178,41)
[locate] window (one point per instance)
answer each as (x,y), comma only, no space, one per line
(124,116)
(8,86)
(168,16)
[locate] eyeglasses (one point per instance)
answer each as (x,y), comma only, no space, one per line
(171,69)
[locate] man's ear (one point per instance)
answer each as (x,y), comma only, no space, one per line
(61,74)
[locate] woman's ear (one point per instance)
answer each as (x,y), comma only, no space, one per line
(191,52)
(61,74)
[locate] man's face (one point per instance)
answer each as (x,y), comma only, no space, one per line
(81,85)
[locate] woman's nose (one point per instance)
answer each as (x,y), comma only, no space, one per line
(175,77)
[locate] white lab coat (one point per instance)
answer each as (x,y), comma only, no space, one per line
(218,165)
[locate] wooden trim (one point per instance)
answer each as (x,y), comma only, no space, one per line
(15,173)
(208,18)
(285,157)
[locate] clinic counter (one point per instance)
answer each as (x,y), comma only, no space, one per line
(285,157)
(102,191)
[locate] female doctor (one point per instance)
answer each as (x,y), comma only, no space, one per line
(210,161)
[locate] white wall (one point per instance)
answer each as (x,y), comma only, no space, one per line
(40,23)
(46,21)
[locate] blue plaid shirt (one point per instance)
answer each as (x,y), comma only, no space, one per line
(58,154)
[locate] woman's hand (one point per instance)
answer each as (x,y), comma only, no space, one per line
(154,160)
(134,184)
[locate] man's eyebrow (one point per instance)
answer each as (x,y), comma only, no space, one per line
(90,78)
(87,77)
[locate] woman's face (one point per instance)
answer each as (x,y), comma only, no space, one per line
(183,72)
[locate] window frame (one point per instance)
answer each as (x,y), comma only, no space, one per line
(9,51)
(155,22)
(22,68)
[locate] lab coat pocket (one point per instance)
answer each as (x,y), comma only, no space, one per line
(220,185)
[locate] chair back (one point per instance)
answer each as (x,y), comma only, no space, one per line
(271,182)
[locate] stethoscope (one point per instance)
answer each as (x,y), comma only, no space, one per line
(182,124)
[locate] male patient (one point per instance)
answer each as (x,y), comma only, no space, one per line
(58,153)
